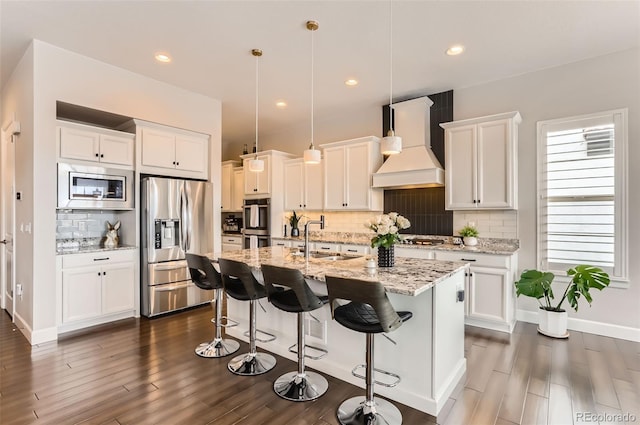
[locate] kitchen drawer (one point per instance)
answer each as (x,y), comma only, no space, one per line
(355,249)
(98,258)
(280,242)
(237,240)
(406,252)
(326,247)
(300,244)
(482,260)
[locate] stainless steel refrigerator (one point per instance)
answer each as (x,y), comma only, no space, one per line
(176,218)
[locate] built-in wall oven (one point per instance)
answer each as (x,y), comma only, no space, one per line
(257,216)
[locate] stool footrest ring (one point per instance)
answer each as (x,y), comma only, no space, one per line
(228,323)
(271,337)
(384,372)
(324,352)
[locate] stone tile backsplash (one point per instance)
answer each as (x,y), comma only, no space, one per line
(490,224)
(83,225)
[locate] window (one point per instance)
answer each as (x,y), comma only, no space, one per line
(582,192)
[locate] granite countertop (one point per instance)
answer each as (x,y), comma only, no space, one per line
(408,277)
(89,248)
(485,245)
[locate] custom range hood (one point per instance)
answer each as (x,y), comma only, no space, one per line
(416,166)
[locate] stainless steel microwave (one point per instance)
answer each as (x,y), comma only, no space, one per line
(88,187)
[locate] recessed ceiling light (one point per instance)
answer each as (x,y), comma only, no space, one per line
(351,82)
(163,57)
(455,50)
(281,104)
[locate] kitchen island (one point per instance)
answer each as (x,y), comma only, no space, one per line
(429,355)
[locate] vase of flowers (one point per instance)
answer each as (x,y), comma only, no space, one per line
(387,227)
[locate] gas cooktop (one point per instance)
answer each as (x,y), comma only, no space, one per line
(422,241)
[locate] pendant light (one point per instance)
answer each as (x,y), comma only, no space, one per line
(391,144)
(256,165)
(312,155)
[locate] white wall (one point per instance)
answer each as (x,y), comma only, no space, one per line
(17,98)
(593,85)
(72,78)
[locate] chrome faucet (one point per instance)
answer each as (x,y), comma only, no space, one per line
(306,234)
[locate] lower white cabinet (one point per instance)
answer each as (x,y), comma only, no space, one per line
(490,296)
(231,243)
(95,286)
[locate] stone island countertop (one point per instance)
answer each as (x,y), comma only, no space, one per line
(408,277)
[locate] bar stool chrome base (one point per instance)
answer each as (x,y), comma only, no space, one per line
(217,348)
(252,364)
(293,386)
(356,411)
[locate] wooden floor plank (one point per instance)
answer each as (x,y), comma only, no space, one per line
(141,371)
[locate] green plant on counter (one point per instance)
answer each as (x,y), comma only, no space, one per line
(294,219)
(468,232)
(537,284)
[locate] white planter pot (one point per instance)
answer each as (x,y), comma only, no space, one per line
(470,240)
(553,323)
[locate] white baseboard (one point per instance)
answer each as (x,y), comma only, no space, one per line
(35,337)
(588,326)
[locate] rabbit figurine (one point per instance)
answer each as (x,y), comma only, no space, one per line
(111,239)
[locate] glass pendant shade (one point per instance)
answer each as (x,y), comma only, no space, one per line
(312,155)
(391,144)
(256,165)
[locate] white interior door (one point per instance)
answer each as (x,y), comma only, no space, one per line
(7,219)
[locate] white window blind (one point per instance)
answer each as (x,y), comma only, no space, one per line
(581,204)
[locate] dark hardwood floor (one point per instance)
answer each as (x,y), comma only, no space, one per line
(141,371)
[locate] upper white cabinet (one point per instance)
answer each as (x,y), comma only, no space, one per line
(232,182)
(348,167)
(481,162)
(77,142)
(303,185)
(238,189)
(171,151)
(261,184)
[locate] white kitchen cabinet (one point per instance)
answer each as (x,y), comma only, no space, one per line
(96,288)
(352,249)
(481,162)
(237,194)
(303,185)
(231,243)
(406,252)
(170,151)
(77,142)
(228,190)
(490,296)
(257,183)
(348,167)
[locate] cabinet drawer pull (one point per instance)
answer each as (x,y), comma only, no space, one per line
(280,244)
(352,250)
(325,247)
(467,259)
(101,259)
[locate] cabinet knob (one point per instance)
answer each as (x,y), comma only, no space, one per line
(174,163)
(97,155)
(177,163)
(101,155)
(99,274)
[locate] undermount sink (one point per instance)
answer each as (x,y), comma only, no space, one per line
(328,256)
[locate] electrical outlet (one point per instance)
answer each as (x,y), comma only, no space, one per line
(317,330)
(19,290)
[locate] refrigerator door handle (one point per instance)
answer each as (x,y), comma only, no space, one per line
(183,220)
(188,219)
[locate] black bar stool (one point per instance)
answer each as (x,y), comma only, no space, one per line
(206,277)
(241,284)
(296,298)
(369,311)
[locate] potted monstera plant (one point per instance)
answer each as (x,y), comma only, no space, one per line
(552,317)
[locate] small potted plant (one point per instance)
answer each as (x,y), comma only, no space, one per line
(294,220)
(469,235)
(552,319)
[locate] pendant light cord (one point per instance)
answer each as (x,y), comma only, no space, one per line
(312,102)
(390,65)
(257,91)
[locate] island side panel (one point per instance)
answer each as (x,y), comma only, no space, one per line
(449,363)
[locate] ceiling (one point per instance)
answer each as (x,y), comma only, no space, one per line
(210,43)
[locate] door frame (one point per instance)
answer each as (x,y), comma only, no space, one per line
(7,208)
